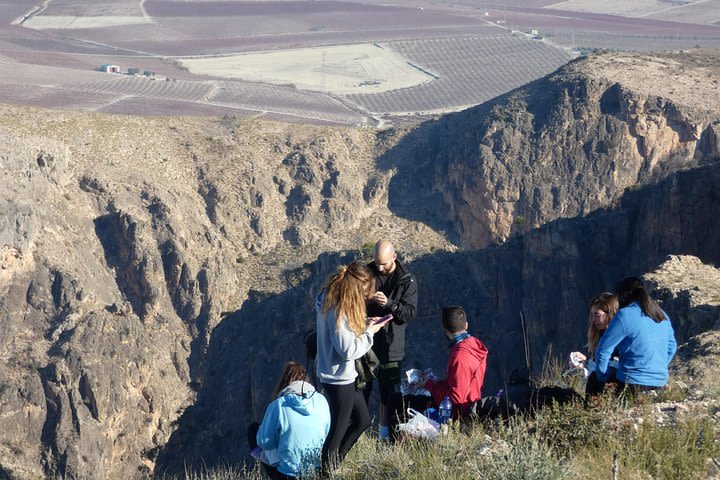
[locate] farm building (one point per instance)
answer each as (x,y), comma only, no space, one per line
(107,68)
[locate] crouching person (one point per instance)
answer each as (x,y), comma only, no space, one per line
(466,366)
(294,428)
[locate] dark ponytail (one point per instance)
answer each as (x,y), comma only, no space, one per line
(632,289)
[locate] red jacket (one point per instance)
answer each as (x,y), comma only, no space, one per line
(465,375)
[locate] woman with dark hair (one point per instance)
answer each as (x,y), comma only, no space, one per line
(344,334)
(290,438)
(602,310)
(644,336)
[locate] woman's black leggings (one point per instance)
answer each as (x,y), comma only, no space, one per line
(349,418)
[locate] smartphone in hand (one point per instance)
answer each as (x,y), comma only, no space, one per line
(384,319)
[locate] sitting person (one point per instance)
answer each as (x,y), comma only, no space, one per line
(602,309)
(644,337)
(296,423)
(466,366)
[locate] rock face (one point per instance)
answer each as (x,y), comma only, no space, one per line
(690,293)
(156,273)
(560,147)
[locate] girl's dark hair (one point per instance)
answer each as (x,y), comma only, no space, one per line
(292,372)
(632,289)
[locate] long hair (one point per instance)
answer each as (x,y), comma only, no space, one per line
(608,303)
(293,371)
(632,289)
(346,292)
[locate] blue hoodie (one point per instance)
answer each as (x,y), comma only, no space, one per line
(645,346)
(295,426)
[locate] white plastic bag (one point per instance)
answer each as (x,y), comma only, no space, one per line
(419,426)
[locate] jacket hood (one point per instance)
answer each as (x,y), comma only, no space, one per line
(474,347)
(298,395)
(319,299)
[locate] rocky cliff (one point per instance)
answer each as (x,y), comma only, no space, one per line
(156,273)
(562,146)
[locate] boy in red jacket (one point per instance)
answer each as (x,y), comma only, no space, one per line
(466,366)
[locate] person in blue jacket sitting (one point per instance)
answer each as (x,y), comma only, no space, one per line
(290,438)
(644,337)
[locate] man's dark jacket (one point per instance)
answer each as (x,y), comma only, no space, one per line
(401,291)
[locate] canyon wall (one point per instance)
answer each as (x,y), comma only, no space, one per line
(157,272)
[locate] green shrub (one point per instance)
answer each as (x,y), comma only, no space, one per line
(572,427)
(527,459)
(366,251)
(677,451)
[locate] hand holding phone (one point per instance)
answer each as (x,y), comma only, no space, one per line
(376,323)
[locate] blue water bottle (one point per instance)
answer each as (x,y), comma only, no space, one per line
(445,410)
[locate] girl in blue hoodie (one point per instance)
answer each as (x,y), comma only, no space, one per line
(294,428)
(644,337)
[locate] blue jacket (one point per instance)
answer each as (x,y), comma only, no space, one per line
(295,426)
(645,346)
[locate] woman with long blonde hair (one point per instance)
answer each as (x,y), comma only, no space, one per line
(603,308)
(344,333)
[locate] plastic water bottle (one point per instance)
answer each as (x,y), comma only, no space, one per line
(445,410)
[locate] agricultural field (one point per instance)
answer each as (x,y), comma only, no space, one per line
(320,61)
(82,8)
(469,70)
(702,13)
(57,87)
(636,8)
(687,11)
(340,69)
(76,14)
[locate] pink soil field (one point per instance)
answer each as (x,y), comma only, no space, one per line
(87,90)
(54,68)
(188,46)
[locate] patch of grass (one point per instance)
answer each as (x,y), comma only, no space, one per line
(223,473)
(574,440)
(366,251)
(648,450)
(672,393)
(508,453)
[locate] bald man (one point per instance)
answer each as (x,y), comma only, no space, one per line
(397,294)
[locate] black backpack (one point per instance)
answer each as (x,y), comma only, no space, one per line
(520,397)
